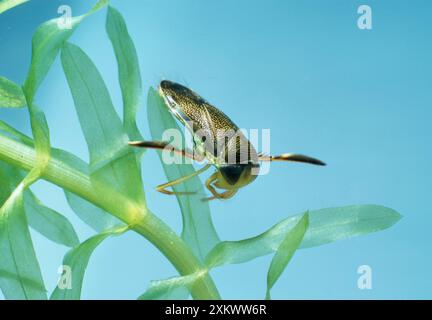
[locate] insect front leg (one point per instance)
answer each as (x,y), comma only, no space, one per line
(210,187)
(162,187)
(224,195)
(216,195)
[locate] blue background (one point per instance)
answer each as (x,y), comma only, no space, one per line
(359,99)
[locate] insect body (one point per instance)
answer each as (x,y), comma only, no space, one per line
(216,139)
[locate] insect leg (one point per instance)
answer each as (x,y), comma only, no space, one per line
(224,195)
(162,187)
(216,195)
(210,187)
(165,146)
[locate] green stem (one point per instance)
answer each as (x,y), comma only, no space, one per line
(137,217)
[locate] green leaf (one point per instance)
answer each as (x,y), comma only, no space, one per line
(285,252)
(176,288)
(12,132)
(77,260)
(48,222)
(230,252)
(9,4)
(111,159)
(332,224)
(94,216)
(198,230)
(46,43)
(20,275)
(325,226)
(44,220)
(11,94)
(128,70)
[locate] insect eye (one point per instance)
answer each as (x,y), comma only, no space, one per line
(232,173)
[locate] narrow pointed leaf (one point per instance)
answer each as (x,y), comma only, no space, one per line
(198,230)
(111,159)
(44,220)
(325,226)
(20,275)
(46,43)
(332,224)
(11,94)
(176,288)
(128,70)
(285,252)
(12,132)
(94,216)
(49,222)
(9,4)
(77,260)
(100,124)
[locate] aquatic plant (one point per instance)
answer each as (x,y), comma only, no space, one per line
(107,192)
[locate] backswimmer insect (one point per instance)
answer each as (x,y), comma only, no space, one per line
(216,139)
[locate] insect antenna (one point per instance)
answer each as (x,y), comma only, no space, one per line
(292,157)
